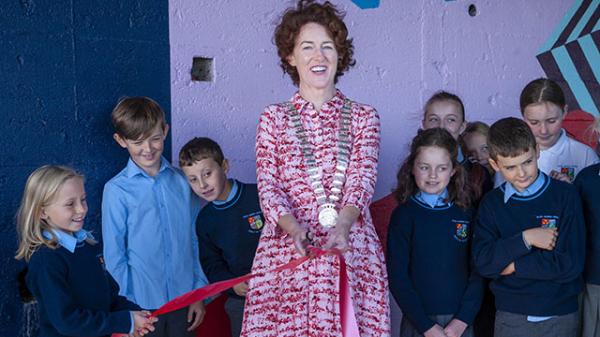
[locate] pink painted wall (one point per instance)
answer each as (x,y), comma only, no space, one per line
(405,50)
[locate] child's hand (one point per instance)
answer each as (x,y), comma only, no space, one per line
(241,289)
(435,331)
(455,328)
(543,238)
(509,269)
(196,313)
(142,323)
(560,176)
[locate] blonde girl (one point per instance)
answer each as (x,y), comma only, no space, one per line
(76,296)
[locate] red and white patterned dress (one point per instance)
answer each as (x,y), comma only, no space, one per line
(304,302)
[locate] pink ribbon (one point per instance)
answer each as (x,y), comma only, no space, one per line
(347,315)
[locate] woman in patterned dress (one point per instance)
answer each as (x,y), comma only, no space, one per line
(314,48)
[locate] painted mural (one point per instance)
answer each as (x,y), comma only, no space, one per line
(570,56)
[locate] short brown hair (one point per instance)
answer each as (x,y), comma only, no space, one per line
(510,137)
(541,90)
(326,15)
(200,148)
(136,117)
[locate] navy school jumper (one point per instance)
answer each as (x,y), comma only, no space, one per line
(546,283)
(429,265)
(588,184)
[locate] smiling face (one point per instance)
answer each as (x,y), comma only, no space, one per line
(445,114)
(477,147)
(432,169)
(146,151)
(315,58)
(545,121)
(520,171)
(208,179)
(67,211)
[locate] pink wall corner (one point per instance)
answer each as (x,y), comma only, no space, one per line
(405,50)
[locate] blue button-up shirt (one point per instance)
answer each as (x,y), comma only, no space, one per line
(433,200)
(530,190)
(148,228)
(67,240)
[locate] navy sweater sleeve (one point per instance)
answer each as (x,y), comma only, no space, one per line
(492,253)
(399,239)
(565,262)
(47,281)
(472,298)
(211,257)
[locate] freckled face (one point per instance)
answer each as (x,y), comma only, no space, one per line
(446,115)
(315,57)
(545,121)
(432,169)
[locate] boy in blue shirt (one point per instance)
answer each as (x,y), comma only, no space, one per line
(148,213)
(229,226)
(530,239)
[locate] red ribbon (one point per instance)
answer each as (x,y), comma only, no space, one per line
(347,316)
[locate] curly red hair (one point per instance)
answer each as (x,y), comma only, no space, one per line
(328,16)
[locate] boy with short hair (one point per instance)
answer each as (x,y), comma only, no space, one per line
(229,226)
(530,239)
(148,213)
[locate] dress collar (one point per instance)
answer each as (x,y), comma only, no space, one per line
(301,104)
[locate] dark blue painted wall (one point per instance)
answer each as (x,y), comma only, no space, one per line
(63,65)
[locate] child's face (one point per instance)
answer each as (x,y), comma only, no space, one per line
(477,148)
(545,121)
(446,115)
(69,208)
(521,171)
(208,179)
(432,169)
(146,152)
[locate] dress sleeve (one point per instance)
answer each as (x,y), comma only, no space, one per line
(361,174)
(273,200)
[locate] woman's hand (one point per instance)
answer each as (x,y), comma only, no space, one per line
(339,236)
(298,234)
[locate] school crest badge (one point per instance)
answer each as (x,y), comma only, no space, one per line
(569,171)
(255,222)
(462,231)
(548,222)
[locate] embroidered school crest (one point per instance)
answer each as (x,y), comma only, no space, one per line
(569,171)
(255,222)
(548,222)
(462,231)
